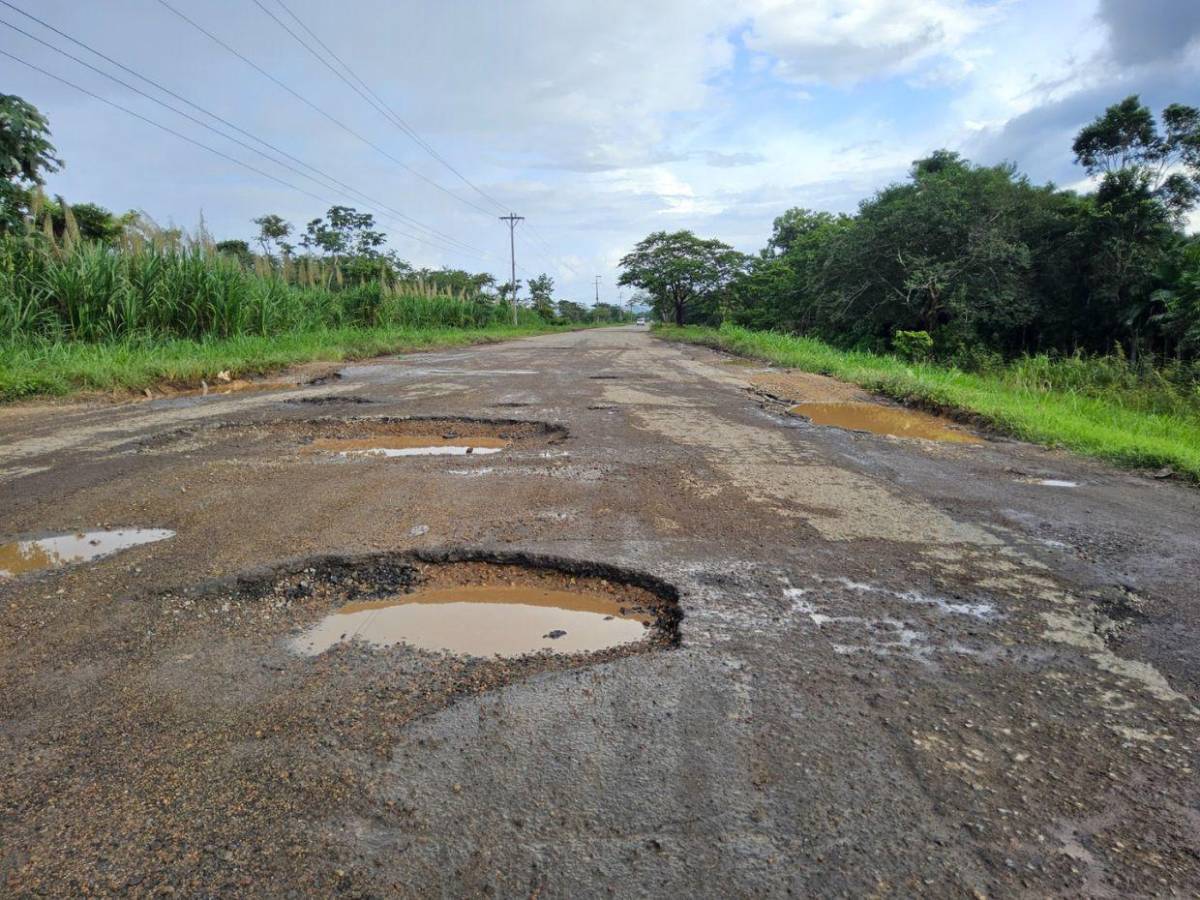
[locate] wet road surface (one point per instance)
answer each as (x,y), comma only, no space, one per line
(905,667)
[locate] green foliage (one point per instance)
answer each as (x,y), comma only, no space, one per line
(167,288)
(541,296)
(570,311)
(990,265)
(915,346)
(1099,407)
(680,270)
(25,155)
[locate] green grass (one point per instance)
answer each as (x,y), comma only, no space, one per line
(34,367)
(1128,427)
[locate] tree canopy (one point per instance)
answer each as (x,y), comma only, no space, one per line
(679,269)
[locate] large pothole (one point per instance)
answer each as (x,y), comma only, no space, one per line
(379,436)
(463,604)
(23,557)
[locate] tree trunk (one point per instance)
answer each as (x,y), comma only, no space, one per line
(678,308)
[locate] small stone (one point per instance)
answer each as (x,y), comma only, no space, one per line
(555,634)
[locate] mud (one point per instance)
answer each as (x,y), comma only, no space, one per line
(887,420)
(877,667)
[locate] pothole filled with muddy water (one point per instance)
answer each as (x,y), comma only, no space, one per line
(381,437)
(487,609)
(879,419)
(389,437)
(505,607)
(58,550)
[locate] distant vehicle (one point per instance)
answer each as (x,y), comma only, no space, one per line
(641,320)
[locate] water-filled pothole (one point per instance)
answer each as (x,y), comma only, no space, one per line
(484,620)
(506,606)
(373,436)
(879,419)
(55,551)
(389,437)
(410,445)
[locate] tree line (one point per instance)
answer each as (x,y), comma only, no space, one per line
(984,262)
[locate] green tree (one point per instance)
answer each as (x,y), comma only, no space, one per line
(541,295)
(26,154)
(344,231)
(570,311)
(1124,147)
(273,230)
(239,250)
(680,269)
(1148,182)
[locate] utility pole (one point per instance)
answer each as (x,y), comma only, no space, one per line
(512,221)
(597,289)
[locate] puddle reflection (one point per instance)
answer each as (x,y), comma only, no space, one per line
(483,620)
(20,557)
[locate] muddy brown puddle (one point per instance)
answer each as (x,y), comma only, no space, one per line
(484,620)
(22,557)
(878,419)
(410,445)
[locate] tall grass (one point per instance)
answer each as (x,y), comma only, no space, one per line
(1095,407)
(70,290)
(164,306)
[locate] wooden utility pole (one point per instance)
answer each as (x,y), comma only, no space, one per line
(597,289)
(512,221)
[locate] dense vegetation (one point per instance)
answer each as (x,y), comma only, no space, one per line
(987,264)
(1067,318)
(89,298)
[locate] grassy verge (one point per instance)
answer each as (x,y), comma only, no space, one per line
(1108,427)
(40,368)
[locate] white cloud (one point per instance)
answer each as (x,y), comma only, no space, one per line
(846,41)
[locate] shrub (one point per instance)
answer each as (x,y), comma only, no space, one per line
(914,346)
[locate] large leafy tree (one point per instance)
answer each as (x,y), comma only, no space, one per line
(679,269)
(26,154)
(1126,149)
(344,231)
(1149,180)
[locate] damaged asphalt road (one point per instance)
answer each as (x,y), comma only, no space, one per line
(903,666)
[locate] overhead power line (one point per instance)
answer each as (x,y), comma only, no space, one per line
(371,96)
(380,208)
(313,106)
(182,136)
(365,91)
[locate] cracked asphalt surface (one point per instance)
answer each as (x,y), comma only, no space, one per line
(906,667)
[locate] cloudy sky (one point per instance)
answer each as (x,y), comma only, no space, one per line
(599,121)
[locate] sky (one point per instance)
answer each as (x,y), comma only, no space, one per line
(600,122)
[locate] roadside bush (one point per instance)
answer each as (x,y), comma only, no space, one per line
(914,346)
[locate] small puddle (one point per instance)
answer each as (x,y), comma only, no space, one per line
(484,620)
(22,557)
(1057,482)
(414,445)
(879,419)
